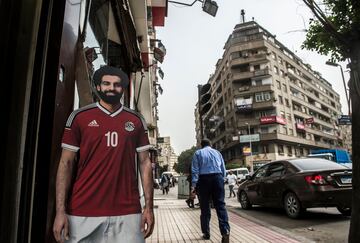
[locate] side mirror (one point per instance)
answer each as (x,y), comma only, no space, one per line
(248,177)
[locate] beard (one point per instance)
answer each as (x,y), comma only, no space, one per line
(110,99)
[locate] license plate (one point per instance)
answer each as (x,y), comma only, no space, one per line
(345,180)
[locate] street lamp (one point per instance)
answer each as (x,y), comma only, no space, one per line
(248,125)
(208,6)
(342,75)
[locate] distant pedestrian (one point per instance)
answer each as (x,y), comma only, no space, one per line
(232,181)
(190,200)
(165,183)
(173,180)
(208,173)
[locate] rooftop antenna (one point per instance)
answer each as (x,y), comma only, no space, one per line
(242,13)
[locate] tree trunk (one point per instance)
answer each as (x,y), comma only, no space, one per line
(354,233)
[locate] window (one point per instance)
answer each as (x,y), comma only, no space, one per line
(289,150)
(255,149)
(284,88)
(262,96)
(291,131)
(258,82)
(259,97)
(301,152)
(262,113)
(282,74)
(288,117)
(260,173)
(275,170)
(280,60)
(273,55)
(281,149)
(276,70)
(264,130)
(278,85)
(287,102)
(265,149)
(281,101)
(282,114)
(256,67)
(267,96)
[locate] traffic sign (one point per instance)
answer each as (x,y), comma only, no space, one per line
(344,120)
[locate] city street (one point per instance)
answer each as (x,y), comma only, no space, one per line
(317,225)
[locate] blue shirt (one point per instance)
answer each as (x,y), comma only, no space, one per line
(206,161)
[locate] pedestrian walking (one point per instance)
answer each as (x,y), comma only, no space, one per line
(232,181)
(99,144)
(165,183)
(191,198)
(208,173)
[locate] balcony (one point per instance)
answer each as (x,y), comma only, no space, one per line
(238,76)
(258,58)
(248,89)
(261,72)
(262,105)
(310,106)
(286,138)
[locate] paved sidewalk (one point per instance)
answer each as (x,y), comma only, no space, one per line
(175,222)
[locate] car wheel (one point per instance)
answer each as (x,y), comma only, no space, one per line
(292,205)
(244,201)
(344,210)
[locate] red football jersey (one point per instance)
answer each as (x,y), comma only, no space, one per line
(105,183)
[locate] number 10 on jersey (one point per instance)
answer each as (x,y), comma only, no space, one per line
(111,139)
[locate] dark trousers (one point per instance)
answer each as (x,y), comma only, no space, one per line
(211,186)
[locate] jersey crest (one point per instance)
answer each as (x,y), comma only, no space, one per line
(129,126)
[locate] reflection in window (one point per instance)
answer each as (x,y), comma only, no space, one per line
(276,170)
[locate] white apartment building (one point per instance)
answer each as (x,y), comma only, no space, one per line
(266,98)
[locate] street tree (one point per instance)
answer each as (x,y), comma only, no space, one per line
(335,31)
(184,160)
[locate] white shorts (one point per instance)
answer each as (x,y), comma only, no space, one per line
(111,229)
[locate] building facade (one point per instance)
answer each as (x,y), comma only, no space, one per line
(266,103)
(166,156)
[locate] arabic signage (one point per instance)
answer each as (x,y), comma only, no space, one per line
(300,126)
(244,104)
(272,119)
(344,120)
(309,120)
(248,138)
(246,151)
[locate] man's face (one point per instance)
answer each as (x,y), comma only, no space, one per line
(110,89)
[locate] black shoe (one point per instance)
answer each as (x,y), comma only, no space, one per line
(206,236)
(188,203)
(225,238)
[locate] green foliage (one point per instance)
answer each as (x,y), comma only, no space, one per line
(230,166)
(163,169)
(184,160)
(341,30)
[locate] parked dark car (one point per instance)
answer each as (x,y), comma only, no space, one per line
(297,184)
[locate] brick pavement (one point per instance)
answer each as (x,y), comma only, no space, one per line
(175,222)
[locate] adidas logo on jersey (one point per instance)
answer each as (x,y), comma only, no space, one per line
(93,123)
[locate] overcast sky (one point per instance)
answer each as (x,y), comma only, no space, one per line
(194,41)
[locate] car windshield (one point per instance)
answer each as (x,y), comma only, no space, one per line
(316,164)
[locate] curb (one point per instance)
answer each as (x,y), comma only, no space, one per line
(274,228)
